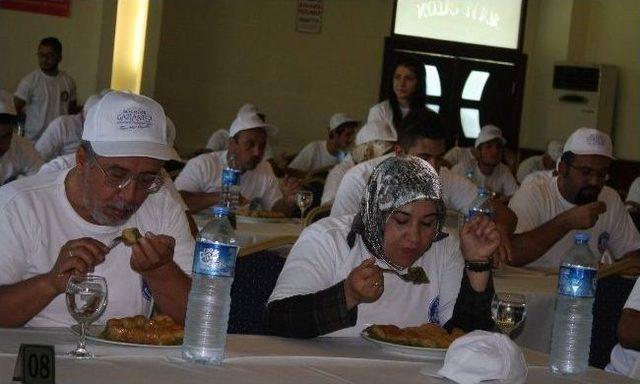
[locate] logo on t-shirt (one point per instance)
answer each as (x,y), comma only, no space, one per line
(64,96)
(434,311)
(134,118)
(603,242)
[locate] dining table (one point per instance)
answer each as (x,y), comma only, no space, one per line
(253,359)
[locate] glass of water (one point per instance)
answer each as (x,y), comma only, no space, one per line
(86,300)
(508,311)
(304,199)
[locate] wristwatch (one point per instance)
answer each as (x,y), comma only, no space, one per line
(478,266)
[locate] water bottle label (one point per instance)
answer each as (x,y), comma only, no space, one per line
(215,259)
(230,177)
(577,281)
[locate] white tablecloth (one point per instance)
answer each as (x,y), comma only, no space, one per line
(250,359)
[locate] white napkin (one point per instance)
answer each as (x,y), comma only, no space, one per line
(480,356)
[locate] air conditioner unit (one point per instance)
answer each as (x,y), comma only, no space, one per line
(583,96)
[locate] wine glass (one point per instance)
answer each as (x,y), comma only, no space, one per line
(304,199)
(86,300)
(508,311)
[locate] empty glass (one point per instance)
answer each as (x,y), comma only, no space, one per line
(304,199)
(86,300)
(508,311)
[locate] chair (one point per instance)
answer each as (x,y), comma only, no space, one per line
(317,213)
(611,294)
(256,276)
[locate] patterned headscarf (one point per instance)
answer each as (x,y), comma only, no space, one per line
(395,182)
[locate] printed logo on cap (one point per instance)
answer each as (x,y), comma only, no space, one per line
(596,140)
(134,118)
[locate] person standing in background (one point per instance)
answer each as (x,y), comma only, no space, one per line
(45,93)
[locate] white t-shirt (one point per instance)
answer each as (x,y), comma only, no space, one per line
(62,137)
(334,178)
(500,180)
(313,156)
(537,203)
(219,140)
(537,176)
(383,112)
(38,220)
(46,97)
(530,165)
(634,191)
(457,192)
(623,359)
(20,160)
(458,155)
(65,162)
(322,258)
(204,174)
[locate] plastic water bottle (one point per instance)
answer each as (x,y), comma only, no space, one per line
(214,260)
(231,184)
(573,316)
(481,205)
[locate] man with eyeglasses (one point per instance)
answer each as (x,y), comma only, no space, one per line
(551,211)
(47,92)
(60,224)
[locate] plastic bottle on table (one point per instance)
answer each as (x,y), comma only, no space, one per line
(481,205)
(230,187)
(214,261)
(573,317)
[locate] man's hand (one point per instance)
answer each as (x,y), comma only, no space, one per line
(76,257)
(503,253)
(151,252)
(479,239)
(585,216)
(289,187)
(364,284)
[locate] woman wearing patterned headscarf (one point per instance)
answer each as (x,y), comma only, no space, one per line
(332,281)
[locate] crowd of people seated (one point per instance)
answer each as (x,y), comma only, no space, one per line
(73,178)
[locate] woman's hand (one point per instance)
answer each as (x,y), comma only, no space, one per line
(364,284)
(479,239)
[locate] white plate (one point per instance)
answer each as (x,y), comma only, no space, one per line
(423,353)
(258,220)
(94,331)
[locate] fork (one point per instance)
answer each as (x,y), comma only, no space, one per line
(415,275)
(114,243)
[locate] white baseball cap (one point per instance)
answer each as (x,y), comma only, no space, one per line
(124,124)
(250,108)
(489,132)
(376,130)
(554,149)
(589,141)
(482,355)
(6,104)
(340,118)
(90,102)
(246,121)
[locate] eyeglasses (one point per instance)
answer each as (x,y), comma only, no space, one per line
(120,179)
(588,172)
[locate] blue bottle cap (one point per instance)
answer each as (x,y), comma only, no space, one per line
(581,237)
(482,191)
(221,210)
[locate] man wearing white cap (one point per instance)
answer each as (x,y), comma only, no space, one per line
(544,162)
(487,171)
(200,180)
(550,212)
(219,139)
(324,153)
(63,135)
(376,138)
(17,155)
(625,356)
(59,224)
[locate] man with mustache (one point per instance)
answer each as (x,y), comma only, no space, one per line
(60,224)
(200,181)
(552,210)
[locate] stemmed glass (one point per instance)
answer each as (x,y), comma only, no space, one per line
(508,311)
(86,300)
(304,199)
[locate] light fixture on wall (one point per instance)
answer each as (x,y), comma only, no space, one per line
(128,45)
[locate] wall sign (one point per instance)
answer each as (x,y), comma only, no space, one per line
(309,16)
